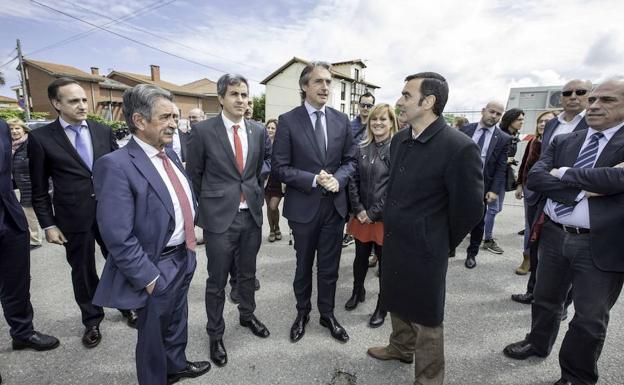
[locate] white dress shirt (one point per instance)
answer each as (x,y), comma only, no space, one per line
(242,134)
(489,132)
(176,146)
(580,215)
(178,233)
(566,127)
(84,134)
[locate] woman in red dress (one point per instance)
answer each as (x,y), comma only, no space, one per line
(367,192)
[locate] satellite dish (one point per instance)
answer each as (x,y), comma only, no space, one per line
(554,101)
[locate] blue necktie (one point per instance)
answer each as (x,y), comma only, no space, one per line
(586,159)
(81,146)
(481,140)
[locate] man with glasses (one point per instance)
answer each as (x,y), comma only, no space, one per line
(574,96)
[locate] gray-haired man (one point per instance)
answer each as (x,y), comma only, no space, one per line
(225,159)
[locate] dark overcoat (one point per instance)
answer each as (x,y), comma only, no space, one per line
(21,174)
(434,198)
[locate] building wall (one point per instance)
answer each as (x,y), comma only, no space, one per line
(106,98)
(211,106)
(282,92)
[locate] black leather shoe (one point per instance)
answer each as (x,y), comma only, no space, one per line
(91,337)
(451,253)
(336,330)
(298,328)
(256,327)
(131,317)
(257,284)
(32,247)
(470,262)
(234,296)
(378,318)
(218,355)
(526,298)
(192,370)
(563,381)
(36,341)
(521,350)
(358,295)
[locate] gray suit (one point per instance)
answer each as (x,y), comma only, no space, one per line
(231,235)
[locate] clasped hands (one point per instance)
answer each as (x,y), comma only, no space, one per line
(588,194)
(328,181)
(363,217)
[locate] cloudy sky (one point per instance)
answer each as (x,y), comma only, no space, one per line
(482,47)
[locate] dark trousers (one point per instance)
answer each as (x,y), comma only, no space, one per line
(321,237)
(360,263)
(15,282)
(239,244)
(162,323)
(567,259)
(80,253)
(476,236)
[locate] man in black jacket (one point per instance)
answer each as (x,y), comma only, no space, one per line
(431,204)
(64,151)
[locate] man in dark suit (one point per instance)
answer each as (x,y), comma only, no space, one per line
(313,154)
(15,260)
(494,145)
(146,215)
(225,159)
(581,241)
(434,197)
(64,151)
(574,96)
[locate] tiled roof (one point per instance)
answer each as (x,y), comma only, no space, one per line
(176,89)
(204,86)
(63,70)
(6,99)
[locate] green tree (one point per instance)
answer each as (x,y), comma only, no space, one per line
(9,113)
(259,108)
(2,81)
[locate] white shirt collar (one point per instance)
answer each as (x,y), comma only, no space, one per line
(64,124)
(489,129)
(608,133)
(150,150)
(311,110)
(228,123)
(574,120)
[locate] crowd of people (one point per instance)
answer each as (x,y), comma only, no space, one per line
(406,187)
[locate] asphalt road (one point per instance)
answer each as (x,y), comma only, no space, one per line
(480,320)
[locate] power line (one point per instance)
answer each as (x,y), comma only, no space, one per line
(153,34)
(142,43)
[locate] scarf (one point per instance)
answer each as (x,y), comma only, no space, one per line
(16,143)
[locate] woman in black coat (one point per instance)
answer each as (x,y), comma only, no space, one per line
(21,177)
(367,193)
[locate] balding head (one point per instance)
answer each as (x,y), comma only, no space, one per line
(574,97)
(195,115)
(606,105)
(491,113)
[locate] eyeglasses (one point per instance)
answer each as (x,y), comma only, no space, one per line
(577,92)
(366,105)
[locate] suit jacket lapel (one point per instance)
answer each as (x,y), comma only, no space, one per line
(145,167)
(332,135)
(308,130)
(613,151)
(581,125)
(493,142)
(61,137)
(251,145)
(571,152)
(97,143)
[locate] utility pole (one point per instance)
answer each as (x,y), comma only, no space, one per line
(23,73)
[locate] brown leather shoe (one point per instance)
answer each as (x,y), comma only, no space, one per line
(386,353)
(91,337)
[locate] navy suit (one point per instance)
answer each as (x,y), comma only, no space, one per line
(494,171)
(315,215)
(591,262)
(72,205)
(136,217)
(14,249)
(550,128)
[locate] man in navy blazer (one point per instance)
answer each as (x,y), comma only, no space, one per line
(581,244)
(494,144)
(314,154)
(15,260)
(146,215)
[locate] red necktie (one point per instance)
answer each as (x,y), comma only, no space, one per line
(238,150)
(185,205)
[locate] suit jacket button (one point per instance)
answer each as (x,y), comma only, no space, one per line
(402,169)
(92,195)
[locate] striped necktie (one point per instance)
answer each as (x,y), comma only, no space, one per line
(586,159)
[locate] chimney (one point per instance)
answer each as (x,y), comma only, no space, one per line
(95,71)
(155,72)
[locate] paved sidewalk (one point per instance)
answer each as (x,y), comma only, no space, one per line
(480,320)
